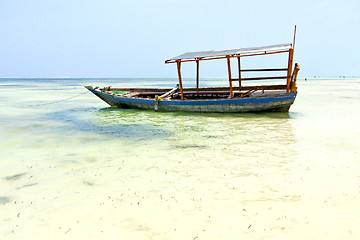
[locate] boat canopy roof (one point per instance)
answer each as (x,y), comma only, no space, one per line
(218,54)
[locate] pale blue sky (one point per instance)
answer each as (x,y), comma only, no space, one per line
(118,38)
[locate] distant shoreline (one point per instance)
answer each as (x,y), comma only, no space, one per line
(159,78)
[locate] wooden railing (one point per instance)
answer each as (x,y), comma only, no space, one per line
(261,70)
(258,78)
(240,79)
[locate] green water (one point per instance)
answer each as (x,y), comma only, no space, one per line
(73,168)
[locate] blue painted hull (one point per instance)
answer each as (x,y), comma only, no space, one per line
(279,103)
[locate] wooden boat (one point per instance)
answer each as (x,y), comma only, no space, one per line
(239,98)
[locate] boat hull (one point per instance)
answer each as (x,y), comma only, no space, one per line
(279,103)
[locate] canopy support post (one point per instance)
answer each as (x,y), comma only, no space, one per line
(178,63)
(291,55)
(230,82)
(293,46)
(291,52)
(197,73)
(239,67)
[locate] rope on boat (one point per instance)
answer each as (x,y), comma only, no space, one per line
(63,100)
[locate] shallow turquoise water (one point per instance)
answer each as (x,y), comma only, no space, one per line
(71,167)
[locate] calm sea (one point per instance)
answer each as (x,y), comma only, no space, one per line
(73,168)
